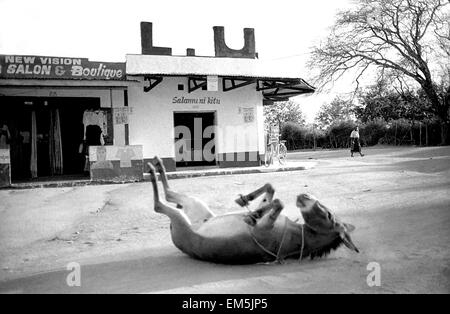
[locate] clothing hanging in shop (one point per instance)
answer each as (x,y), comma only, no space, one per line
(95,128)
(5,136)
(93,138)
(95,117)
(55,143)
(33,159)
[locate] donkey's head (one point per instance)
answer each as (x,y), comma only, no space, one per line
(330,230)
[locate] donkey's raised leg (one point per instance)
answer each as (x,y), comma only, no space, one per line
(268,220)
(268,192)
(183,235)
(195,209)
(252,218)
(177,217)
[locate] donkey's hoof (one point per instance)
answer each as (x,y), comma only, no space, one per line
(242,201)
(158,162)
(250,220)
(158,209)
(277,204)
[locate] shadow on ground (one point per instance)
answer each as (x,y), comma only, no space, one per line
(165,269)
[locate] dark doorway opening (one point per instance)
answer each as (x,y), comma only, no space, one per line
(195,139)
(17,113)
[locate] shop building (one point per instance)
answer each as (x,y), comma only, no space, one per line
(190,110)
(198,111)
(52,108)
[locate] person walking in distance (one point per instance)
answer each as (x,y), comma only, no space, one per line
(355,144)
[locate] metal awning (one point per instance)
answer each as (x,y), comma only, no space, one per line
(273,89)
(283,89)
(275,84)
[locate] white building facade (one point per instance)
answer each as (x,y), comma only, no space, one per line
(216,128)
(189,110)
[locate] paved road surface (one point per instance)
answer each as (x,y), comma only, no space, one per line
(399,200)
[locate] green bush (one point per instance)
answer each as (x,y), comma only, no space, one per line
(397,132)
(298,136)
(294,135)
(372,132)
(339,133)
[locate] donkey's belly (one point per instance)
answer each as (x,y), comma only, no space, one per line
(226,226)
(226,239)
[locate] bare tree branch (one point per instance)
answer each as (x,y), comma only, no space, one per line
(401,36)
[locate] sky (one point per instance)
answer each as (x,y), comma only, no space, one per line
(285,30)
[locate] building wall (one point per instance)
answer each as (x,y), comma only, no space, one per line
(152,121)
(113,98)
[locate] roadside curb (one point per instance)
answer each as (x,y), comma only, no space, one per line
(233,171)
(170,175)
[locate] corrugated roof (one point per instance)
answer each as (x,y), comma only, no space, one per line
(186,65)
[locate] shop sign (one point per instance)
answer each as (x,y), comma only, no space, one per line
(121,115)
(248,114)
(41,67)
(212,83)
(196,100)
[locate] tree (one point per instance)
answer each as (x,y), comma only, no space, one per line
(385,102)
(378,102)
(338,110)
(283,111)
(407,37)
(381,102)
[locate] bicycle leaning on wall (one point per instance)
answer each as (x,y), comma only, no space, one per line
(275,149)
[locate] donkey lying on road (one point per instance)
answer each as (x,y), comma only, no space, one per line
(262,235)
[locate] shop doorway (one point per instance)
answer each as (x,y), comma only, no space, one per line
(54,126)
(195,139)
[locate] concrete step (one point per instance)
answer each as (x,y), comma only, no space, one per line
(182,174)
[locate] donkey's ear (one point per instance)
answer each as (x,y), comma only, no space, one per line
(349,227)
(347,240)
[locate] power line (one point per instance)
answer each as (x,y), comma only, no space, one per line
(290,56)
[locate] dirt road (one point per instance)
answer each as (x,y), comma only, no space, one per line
(398,199)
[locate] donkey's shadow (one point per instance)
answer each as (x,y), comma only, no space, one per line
(161,270)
